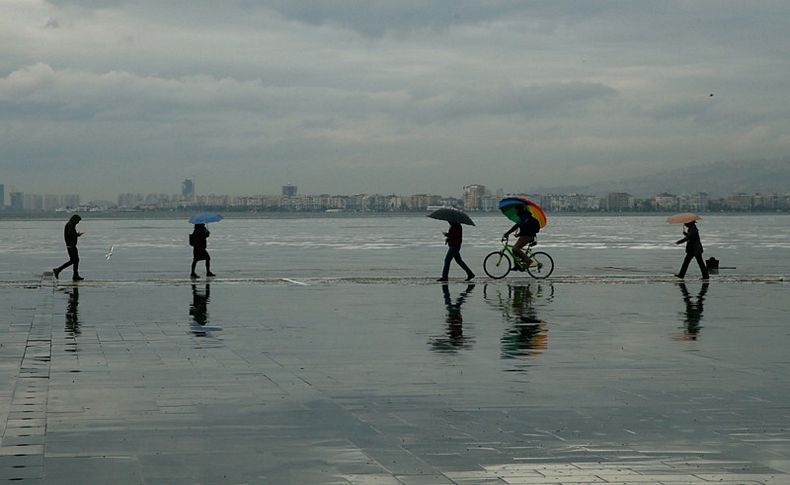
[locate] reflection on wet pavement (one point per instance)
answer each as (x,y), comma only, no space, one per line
(526,334)
(198,310)
(693,313)
(453,339)
(335,384)
(73,319)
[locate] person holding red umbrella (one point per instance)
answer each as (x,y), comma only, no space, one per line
(528,228)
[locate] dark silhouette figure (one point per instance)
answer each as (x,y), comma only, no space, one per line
(528,228)
(693,314)
(198,241)
(693,250)
(70,235)
(454,338)
(453,239)
(198,310)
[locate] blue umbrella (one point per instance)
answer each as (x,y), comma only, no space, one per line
(205,218)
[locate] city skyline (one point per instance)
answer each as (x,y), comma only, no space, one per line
(390,97)
(475,197)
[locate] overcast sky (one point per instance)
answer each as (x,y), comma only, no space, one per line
(405,96)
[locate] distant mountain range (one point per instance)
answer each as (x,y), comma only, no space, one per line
(717,179)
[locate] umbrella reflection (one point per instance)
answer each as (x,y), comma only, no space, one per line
(72,320)
(693,315)
(454,339)
(526,334)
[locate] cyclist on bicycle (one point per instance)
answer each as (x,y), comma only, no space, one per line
(528,228)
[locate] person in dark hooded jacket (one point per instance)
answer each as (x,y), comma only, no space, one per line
(693,250)
(70,236)
(199,253)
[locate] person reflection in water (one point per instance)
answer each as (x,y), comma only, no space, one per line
(72,312)
(198,310)
(693,313)
(454,338)
(527,334)
(72,320)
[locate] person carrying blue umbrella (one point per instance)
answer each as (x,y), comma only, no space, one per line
(199,243)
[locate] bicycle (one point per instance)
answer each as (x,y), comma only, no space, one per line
(498,264)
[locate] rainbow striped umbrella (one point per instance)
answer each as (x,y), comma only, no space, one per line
(508,207)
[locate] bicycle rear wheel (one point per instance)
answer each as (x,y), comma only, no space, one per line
(497,265)
(542,265)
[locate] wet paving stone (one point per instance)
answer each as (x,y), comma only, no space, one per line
(518,382)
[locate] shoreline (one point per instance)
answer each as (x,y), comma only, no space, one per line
(173,215)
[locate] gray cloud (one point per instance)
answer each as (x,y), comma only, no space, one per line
(345,97)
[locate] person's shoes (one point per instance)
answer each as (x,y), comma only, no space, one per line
(56,272)
(469,277)
(77,278)
(706,278)
(210,274)
(194,276)
(442,279)
(678,276)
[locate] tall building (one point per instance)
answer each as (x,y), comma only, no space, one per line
(188,188)
(289,190)
(17,202)
(473,195)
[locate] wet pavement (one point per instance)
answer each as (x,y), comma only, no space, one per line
(401,382)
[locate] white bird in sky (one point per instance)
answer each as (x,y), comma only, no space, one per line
(109,253)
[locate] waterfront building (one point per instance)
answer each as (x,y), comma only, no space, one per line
(289,190)
(17,201)
(473,195)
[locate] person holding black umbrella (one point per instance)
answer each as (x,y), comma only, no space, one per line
(453,239)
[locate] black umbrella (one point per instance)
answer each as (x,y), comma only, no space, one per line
(451,215)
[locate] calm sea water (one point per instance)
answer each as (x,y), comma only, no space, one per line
(388,247)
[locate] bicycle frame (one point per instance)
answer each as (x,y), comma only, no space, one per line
(508,249)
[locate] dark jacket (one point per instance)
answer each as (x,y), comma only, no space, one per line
(528,225)
(693,243)
(454,236)
(70,234)
(199,236)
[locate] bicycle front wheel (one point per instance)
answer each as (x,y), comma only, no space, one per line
(542,265)
(497,265)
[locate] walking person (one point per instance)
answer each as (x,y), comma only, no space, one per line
(528,228)
(199,253)
(693,250)
(453,239)
(70,235)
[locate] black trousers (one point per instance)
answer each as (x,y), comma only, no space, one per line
(454,253)
(74,259)
(702,267)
